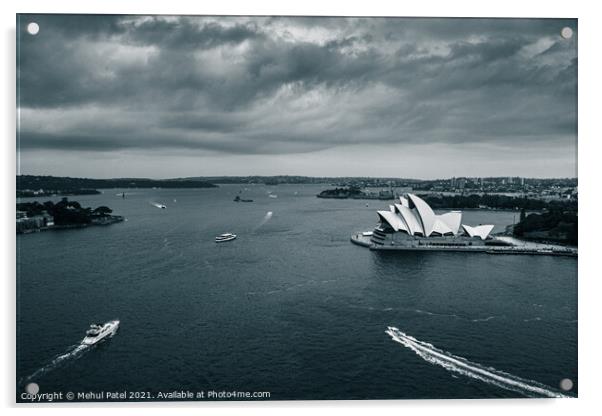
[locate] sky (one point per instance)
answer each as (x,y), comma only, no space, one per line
(175,96)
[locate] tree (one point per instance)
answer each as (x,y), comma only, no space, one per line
(102,211)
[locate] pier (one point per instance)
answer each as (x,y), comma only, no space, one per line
(364,239)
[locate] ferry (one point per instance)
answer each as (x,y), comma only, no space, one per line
(98,332)
(222,238)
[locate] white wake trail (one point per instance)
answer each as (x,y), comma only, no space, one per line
(72,353)
(266,218)
(460,365)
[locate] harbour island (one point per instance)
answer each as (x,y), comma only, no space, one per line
(35,216)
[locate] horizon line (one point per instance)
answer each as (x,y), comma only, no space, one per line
(304,176)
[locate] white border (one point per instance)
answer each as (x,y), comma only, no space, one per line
(590,35)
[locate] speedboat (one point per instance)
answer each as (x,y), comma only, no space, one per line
(98,332)
(222,238)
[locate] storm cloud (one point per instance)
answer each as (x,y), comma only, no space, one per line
(274,88)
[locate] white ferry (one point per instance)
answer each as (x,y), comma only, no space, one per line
(98,332)
(222,238)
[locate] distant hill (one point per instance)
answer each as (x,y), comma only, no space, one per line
(69,185)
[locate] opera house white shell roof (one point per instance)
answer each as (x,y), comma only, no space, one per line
(480,231)
(415,217)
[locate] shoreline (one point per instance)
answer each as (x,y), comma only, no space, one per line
(363,241)
(113,219)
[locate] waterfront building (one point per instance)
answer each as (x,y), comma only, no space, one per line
(411,225)
(412,222)
(33,223)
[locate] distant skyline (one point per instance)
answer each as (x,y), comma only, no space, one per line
(181,96)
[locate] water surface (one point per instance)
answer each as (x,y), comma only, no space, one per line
(290,307)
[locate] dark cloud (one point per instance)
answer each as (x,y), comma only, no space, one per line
(272,85)
(186,34)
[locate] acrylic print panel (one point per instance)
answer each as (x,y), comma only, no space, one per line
(295,208)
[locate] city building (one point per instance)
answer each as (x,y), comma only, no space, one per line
(36,222)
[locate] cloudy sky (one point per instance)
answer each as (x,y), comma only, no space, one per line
(173,96)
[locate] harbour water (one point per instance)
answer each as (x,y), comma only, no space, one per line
(290,307)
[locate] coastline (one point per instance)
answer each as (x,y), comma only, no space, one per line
(113,219)
(364,241)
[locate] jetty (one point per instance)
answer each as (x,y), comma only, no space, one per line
(364,239)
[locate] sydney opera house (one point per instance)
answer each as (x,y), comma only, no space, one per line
(412,224)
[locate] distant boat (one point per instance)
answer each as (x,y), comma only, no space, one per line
(158,205)
(239,199)
(273,196)
(222,238)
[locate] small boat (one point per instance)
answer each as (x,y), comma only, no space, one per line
(273,196)
(239,199)
(222,238)
(98,332)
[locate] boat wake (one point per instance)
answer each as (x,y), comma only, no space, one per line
(459,365)
(72,353)
(266,218)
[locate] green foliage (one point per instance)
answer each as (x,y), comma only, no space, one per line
(77,185)
(102,210)
(493,201)
(65,212)
(340,192)
(559,225)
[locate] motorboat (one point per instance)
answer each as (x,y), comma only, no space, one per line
(222,238)
(98,332)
